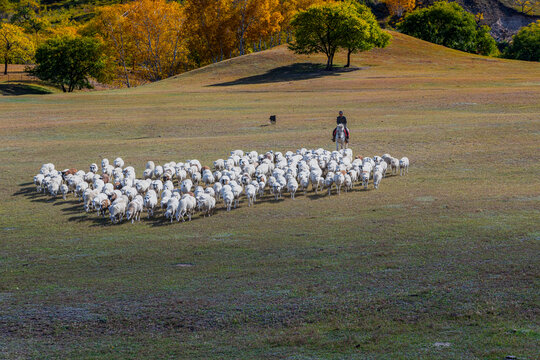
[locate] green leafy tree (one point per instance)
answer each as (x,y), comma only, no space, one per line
(525,44)
(328,27)
(15,45)
(448,24)
(69,62)
(362,32)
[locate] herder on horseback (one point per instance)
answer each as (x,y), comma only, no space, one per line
(341,120)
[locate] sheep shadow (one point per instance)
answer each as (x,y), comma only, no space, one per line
(287,73)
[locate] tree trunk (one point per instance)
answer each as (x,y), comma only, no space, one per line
(64,88)
(330,62)
(348,58)
(5,66)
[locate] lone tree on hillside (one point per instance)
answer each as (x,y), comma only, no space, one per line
(328,27)
(15,45)
(362,33)
(448,24)
(70,61)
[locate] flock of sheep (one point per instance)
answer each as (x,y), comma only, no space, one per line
(180,189)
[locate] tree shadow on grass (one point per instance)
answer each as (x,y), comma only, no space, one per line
(16,89)
(293,72)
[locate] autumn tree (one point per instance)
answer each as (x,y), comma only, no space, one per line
(255,19)
(148,34)
(15,45)
(69,62)
(27,15)
(211,29)
(399,7)
(112,23)
(526,6)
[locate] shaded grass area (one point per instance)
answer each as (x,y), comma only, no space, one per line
(442,263)
(14,89)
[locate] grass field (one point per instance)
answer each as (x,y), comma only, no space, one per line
(440,264)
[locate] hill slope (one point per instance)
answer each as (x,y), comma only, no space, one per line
(437,264)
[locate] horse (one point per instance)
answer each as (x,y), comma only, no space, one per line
(340,137)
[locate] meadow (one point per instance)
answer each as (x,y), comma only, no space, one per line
(440,264)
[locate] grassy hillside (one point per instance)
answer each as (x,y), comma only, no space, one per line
(442,263)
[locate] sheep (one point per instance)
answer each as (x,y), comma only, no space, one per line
(64,190)
(292,186)
(219,164)
(94,168)
(189,203)
(158,171)
(377,176)
(186,186)
(117,210)
(394,163)
(365,179)
(348,183)
(228,199)
(172,207)
(304,183)
(206,204)
(339,179)
(118,162)
(150,202)
(217,189)
(208,177)
(157,186)
(403,165)
(251,192)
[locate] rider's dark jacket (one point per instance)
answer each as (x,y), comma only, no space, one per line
(342,120)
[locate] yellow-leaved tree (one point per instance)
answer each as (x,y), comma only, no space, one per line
(255,19)
(15,45)
(146,35)
(210,30)
(400,7)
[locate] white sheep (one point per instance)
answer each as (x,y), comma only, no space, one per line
(377,176)
(251,193)
(150,202)
(292,186)
(403,165)
(172,207)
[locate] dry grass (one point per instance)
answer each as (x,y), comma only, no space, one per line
(448,254)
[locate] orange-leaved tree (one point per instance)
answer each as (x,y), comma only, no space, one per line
(255,19)
(147,35)
(210,31)
(400,7)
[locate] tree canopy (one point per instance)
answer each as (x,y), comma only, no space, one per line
(326,28)
(525,44)
(70,61)
(448,24)
(15,45)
